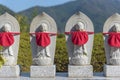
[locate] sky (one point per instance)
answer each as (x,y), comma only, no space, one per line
(19,5)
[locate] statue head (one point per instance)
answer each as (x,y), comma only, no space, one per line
(7,27)
(80,26)
(116,27)
(43,27)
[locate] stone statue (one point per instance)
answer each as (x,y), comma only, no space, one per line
(43,48)
(79,45)
(114,44)
(111,36)
(8,51)
(43,40)
(9,40)
(79,39)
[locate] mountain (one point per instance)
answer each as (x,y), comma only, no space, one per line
(97,10)
(4,9)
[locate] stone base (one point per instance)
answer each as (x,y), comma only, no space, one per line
(80,71)
(112,70)
(43,71)
(9,71)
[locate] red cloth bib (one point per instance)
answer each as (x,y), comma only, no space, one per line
(114,39)
(79,37)
(42,39)
(6,39)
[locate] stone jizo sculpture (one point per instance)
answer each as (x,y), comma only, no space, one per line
(9,40)
(79,45)
(79,39)
(43,41)
(6,40)
(111,35)
(43,31)
(114,44)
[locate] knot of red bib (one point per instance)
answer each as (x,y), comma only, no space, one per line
(114,39)
(42,39)
(6,39)
(79,37)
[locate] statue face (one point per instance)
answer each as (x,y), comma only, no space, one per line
(116,27)
(6,27)
(80,26)
(43,27)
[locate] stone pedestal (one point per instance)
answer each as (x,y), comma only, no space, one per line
(112,70)
(80,71)
(43,71)
(9,71)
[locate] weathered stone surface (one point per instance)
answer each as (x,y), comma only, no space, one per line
(42,71)
(88,26)
(112,70)
(112,53)
(9,71)
(80,71)
(51,28)
(63,76)
(9,19)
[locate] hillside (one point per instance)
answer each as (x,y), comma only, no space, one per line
(97,10)
(4,9)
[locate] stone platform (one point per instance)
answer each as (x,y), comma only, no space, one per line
(63,76)
(80,71)
(111,70)
(9,71)
(43,71)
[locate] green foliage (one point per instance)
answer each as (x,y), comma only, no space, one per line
(2,60)
(98,53)
(23,21)
(24,58)
(61,56)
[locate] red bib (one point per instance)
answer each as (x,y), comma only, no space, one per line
(6,39)
(114,39)
(79,37)
(42,39)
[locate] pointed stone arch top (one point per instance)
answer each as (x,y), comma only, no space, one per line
(43,17)
(79,17)
(115,18)
(7,18)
